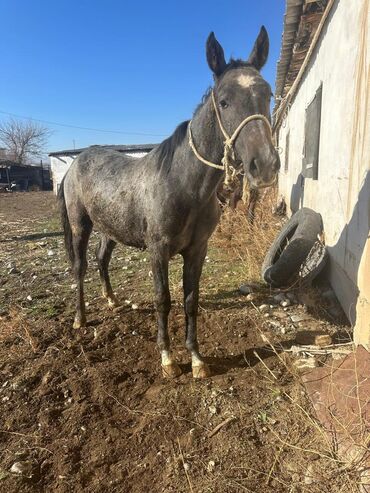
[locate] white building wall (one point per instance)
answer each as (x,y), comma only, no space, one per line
(342,192)
(60,165)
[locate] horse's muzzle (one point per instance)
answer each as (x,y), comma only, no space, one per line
(263,174)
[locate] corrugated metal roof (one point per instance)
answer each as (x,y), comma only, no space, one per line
(291,22)
(301,20)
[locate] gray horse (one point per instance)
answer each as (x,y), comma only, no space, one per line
(166,201)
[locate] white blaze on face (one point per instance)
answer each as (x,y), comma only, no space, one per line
(245,80)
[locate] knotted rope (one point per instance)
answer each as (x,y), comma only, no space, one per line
(228,162)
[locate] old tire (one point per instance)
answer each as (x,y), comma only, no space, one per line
(295,247)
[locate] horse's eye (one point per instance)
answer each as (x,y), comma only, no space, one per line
(223,104)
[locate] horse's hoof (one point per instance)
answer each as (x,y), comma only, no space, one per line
(171,371)
(111,299)
(113,302)
(201,371)
(77,324)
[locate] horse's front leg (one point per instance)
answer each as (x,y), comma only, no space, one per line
(193,263)
(160,259)
(254,195)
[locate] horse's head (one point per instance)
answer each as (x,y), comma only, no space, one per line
(240,91)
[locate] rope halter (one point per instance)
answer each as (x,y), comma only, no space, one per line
(228,162)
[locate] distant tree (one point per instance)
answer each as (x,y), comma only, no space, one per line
(23,140)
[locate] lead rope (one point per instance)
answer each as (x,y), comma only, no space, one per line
(228,159)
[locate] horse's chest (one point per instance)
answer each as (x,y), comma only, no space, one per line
(182,239)
(197,227)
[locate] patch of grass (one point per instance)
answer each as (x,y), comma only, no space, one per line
(52,224)
(45,310)
(3,474)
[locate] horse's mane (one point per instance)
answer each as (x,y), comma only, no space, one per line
(167,148)
(203,100)
(238,63)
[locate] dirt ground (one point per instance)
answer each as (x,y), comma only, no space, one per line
(88,410)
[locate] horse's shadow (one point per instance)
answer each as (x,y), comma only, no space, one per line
(219,365)
(33,237)
(247,359)
(223,299)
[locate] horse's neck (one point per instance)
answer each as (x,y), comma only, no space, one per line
(198,177)
(207,135)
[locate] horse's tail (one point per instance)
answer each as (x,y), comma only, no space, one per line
(65,222)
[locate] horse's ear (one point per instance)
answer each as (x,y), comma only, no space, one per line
(260,51)
(215,55)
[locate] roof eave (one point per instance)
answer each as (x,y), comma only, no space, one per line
(119,148)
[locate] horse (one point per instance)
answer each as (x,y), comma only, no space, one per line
(166,201)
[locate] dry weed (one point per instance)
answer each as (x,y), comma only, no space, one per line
(249,242)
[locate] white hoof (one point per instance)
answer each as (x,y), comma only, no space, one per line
(201,371)
(171,371)
(77,324)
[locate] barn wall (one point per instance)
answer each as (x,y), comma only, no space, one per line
(59,167)
(136,154)
(342,192)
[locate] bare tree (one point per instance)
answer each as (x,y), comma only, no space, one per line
(23,140)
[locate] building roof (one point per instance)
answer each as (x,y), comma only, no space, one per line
(5,163)
(301,20)
(120,148)
(8,163)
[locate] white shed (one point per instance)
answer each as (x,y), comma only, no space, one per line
(322,122)
(60,161)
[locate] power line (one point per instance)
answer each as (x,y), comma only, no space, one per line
(82,128)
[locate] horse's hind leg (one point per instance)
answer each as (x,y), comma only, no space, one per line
(81,229)
(103,255)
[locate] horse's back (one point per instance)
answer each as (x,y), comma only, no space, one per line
(103,173)
(101,164)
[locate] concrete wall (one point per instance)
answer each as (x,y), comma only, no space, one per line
(342,192)
(60,165)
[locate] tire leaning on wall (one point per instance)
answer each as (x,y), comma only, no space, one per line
(295,246)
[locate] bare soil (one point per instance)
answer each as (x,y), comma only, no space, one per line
(89,411)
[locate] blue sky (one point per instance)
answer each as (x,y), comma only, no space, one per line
(131,66)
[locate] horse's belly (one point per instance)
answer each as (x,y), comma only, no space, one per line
(123,225)
(119,236)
